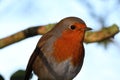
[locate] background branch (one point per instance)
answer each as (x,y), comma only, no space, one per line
(90,37)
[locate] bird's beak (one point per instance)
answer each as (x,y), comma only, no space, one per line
(88,28)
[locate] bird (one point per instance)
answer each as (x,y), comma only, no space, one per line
(59,54)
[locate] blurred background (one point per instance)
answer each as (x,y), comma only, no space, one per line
(102,60)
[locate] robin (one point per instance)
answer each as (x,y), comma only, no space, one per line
(59,54)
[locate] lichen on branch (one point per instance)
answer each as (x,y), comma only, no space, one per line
(90,37)
(104,33)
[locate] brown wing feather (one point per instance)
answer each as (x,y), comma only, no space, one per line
(31,61)
(35,54)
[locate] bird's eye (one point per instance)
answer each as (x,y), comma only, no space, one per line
(72,27)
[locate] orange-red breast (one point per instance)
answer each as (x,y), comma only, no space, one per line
(59,54)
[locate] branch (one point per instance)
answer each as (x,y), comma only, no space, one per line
(90,36)
(104,33)
(32,31)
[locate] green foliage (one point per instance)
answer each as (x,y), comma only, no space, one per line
(18,75)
